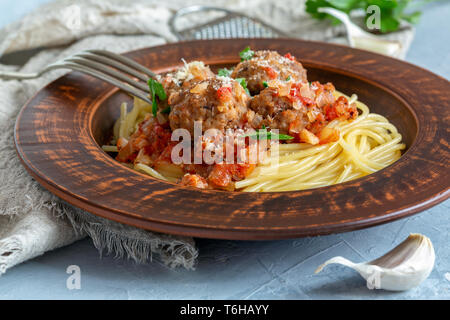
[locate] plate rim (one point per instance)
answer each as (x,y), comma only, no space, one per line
(224,233)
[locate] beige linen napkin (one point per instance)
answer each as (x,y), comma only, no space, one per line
(32,220)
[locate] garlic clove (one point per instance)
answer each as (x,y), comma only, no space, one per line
(402,268)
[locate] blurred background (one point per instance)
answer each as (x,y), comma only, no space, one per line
(429,48)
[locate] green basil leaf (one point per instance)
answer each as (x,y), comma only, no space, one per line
(224,72)
(154,107)
(246,54)
(267,135)
(243,83)
(156,90)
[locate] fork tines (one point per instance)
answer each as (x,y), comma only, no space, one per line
(116,69)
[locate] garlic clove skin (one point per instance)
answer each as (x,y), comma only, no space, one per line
(402,268)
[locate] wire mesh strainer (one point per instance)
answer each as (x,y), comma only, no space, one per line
(230,25)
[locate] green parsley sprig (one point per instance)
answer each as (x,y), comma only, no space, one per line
(392,12)
(263,134)
(224,72)
(246,54)
(156,90)
(243,83)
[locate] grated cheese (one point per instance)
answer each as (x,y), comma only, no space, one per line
(185,73)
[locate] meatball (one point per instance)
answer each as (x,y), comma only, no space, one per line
(301,110)
(266,66)
(277,112)
(219,103)
(184,77)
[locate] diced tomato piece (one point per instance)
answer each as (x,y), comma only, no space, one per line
(340,109)
(200,169)
(223,174)
(220,175)
(121,143)
(240,171)
(316,86)
(295,91)
(275,92)
(289,56)
(318,124)
(295,127)
(224,93)
(132,157)
(271,73)
(160,138)
(344,109)
(295,94)
(125,153)
(320,118)
(329,87)
(194,180)
(330,112)
(306,101)
(353,111)
(150,136)
(139,142)
(166,154)
(340,105)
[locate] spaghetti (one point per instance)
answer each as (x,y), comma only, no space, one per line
(367,144)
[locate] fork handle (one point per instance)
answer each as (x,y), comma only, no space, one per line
(17,75)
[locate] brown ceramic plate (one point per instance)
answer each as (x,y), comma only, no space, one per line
(60,130)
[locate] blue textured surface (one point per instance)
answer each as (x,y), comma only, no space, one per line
(252,270)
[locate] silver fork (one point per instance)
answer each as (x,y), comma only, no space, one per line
(113,68)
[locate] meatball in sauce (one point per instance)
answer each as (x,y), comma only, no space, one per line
(266,66)
(218,103)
